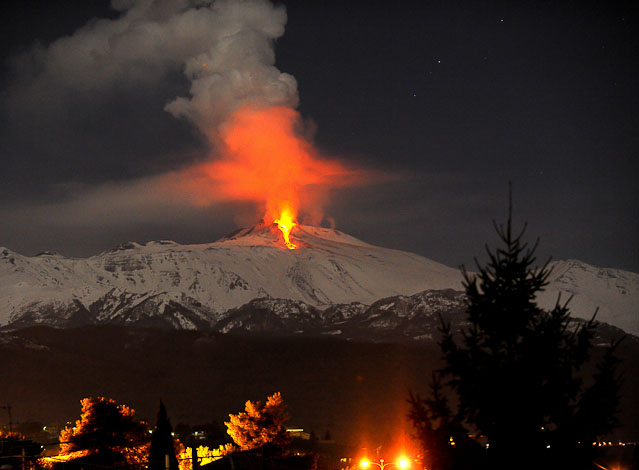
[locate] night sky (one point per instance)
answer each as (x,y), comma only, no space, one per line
(450,100)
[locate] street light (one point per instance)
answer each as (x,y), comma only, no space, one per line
(401,463)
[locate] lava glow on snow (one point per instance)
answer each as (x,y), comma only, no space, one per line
(266,160)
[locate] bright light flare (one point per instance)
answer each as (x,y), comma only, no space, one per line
(364,463)
(403,462)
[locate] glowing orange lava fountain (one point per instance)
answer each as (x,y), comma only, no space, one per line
(285,223)
(265,160)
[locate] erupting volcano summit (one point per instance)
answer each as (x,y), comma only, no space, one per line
(264,160)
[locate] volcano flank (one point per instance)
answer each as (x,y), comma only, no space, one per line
(197,286)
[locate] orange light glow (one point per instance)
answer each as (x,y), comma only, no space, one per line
(364,463)
(264,159)
(267,161)
(403,463)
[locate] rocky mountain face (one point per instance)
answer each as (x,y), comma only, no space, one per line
(397,318)
(249,282)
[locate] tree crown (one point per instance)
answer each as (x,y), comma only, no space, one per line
(260,424)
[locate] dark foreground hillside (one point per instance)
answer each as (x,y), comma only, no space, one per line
(357,391)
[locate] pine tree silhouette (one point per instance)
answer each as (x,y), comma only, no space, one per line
(515,374)
(162,443)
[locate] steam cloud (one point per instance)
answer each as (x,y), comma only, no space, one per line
(237,68)
(224,47)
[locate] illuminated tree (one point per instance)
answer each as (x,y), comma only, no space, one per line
(260,424)
(106,434)
(516,374)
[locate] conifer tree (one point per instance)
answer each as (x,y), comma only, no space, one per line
(515,375)
(162,443)
(445,443)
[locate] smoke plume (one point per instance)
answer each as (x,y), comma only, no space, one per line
(224,47)
(97,110)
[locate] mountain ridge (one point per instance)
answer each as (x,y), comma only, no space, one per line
(198,286)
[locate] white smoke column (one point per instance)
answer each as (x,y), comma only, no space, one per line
(225,47)
(238,67)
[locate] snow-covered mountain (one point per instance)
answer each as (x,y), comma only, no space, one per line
(329,267)
(614,292)
(332,279)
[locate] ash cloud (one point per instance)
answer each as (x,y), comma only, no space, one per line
(98,129)
(237,69)
(92,107)
(222,46)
